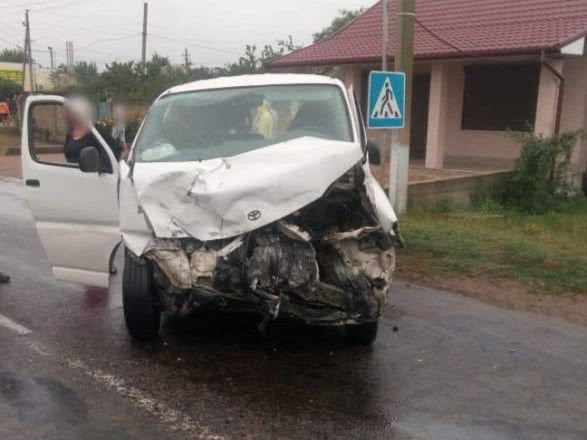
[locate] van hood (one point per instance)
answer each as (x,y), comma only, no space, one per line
(226,197)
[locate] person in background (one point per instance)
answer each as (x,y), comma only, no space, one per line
(119,127)
(4,113)
(4,278)
(13,109)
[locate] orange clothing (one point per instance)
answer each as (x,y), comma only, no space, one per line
(4,110)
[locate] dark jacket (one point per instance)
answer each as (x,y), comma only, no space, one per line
(73,147)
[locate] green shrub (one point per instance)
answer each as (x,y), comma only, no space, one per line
(540,179)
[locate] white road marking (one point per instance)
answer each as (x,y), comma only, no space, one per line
(176,420)
(20,330)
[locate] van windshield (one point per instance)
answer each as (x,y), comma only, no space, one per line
(225,122)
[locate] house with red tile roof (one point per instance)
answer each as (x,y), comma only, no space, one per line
(482,68)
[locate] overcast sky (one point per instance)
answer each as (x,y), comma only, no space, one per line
(214,31)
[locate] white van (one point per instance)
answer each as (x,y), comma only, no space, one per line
(242,193)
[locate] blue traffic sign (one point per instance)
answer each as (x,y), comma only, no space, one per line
(387,96)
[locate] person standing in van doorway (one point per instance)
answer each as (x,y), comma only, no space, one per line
(119,127)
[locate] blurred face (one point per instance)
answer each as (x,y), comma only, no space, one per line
(80,113)
(119,113)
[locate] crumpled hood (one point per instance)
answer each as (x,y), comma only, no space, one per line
(222,198)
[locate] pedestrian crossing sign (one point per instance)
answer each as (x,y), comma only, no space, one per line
(387,95)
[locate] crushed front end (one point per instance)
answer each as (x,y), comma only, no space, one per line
(330,262)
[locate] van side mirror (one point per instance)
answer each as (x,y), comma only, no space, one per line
(89,160)
(373,152)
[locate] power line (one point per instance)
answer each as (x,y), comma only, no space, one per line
(100,40)
(25,5)
(53,7)
(189,43)
(44,5)
(441,39)
(69,28)
(9,42)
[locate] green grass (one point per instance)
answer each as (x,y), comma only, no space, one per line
(547,252)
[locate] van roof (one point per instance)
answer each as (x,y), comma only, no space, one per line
(252,80)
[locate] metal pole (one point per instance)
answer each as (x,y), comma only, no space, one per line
(68,57)
(144,51)
(24,60)
(30,52)
(403,62)
(51,56)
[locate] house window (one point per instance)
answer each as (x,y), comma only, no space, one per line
(499,97)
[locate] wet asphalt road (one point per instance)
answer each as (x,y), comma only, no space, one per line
(454,369)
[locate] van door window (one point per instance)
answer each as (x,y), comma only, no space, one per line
(47,132)
(56,137)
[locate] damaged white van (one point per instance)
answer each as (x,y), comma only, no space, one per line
(243,193)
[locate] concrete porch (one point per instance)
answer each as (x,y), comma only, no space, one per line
(454,168)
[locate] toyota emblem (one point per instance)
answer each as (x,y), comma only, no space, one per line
(254,215)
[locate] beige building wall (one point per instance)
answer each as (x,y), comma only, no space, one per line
(574,112)
(448,142)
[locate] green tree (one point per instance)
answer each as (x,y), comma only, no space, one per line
(281,48)
(252,62)
(12,55)
(120,80)
(249,62)
(344,17)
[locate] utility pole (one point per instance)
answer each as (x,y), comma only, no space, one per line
(24,59)
(186,60)
(385,36)
(28,53)
(144,51)
(51,56)
(400,148)
(69,56)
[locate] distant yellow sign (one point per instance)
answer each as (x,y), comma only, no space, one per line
(11,75)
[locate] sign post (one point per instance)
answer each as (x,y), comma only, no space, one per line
(387,97)
(403,62)
(387,110)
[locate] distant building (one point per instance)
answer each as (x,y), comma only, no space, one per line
(481,67)
(41,76)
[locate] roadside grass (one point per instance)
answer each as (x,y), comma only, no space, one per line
(546,252)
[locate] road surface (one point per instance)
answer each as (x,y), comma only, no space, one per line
(443,367)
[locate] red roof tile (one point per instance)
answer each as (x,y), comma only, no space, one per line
(474,27)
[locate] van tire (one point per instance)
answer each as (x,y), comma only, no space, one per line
(362,334)
(142,316)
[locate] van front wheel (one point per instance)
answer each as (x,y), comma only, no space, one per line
(142,316)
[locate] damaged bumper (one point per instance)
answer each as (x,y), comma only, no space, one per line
(330,262)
